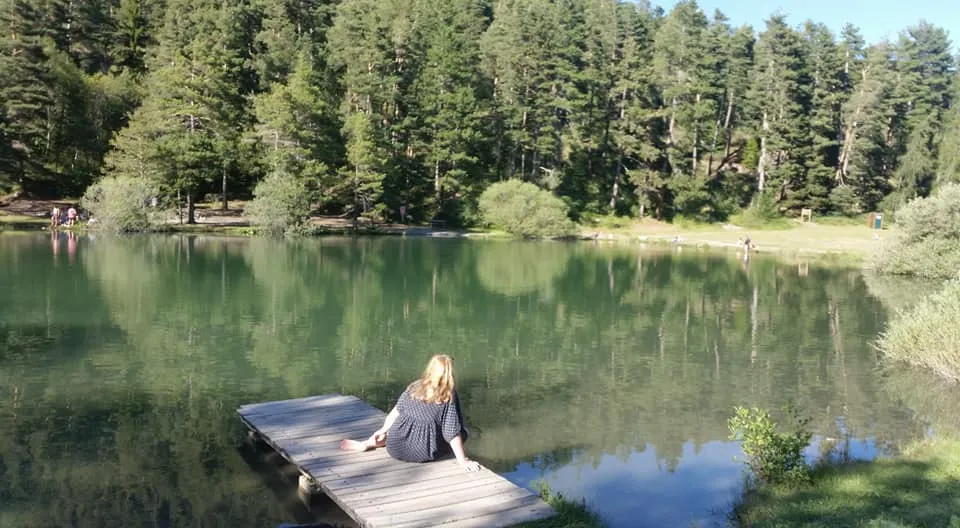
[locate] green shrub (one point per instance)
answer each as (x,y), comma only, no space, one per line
(927,242)
(845,200)
(570,513)
(762,213)
(774,457)
(280,205)
(523,209)
(121,204)
(928,335)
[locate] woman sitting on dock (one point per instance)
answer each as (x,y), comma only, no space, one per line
(426,423)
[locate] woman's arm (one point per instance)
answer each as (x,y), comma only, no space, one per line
(392,417)
(457,445)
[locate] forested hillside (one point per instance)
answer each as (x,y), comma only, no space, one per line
(616,106)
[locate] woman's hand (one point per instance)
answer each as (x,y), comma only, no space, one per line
(469,465)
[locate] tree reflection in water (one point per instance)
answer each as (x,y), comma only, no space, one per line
(121,373)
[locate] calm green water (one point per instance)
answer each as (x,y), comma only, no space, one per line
(607,371)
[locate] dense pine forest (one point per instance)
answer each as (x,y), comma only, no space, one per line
(617,107)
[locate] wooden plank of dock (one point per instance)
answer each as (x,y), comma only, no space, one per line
(373,488)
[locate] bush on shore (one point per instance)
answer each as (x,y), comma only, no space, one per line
(928,335)
(121,204)
(523,209)
(772,456)
(927,243)
(280,205)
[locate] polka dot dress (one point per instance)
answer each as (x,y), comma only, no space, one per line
(423,430)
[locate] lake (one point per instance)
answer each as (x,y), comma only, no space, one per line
(608,371)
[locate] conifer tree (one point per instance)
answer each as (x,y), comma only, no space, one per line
(780,100)
(450,106)
(26,90)
(195,102)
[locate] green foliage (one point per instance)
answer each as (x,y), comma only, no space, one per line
(280,205)
(762,213)
(772,456)
(751,154)
(927,241)
(570,513)
(845,201)
(295,126)
(121,204)
(617,108)
(927,335)
(522,209)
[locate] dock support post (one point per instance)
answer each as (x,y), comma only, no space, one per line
(306,490)
(306,485)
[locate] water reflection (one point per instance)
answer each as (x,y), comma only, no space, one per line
(607,370)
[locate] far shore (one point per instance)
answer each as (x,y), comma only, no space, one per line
(831,236)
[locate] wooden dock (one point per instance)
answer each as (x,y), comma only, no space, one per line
(375,489)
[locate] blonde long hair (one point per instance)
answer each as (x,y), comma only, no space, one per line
(436,383)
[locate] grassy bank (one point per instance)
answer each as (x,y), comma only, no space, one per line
(916,489)
(570,514)
(18,221)
(846,237)
(927,335)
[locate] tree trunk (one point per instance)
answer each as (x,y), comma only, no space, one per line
(713,148)
(523,164)
(696,140)
(843,163)
(436,182)
(762,163)
(754,324)
(850,135)
(673,119)
(616,182)
(191,209)
(726,128)
(223,192)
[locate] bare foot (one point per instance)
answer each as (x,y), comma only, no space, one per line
(353,445)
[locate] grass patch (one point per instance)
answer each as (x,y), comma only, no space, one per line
(917,489)
(927,335)
(859,220)
(15,219)
(10,221)
(570,513)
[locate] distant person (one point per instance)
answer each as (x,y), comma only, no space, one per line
(71,216)
(746,244)
(54,217)
(426,423)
